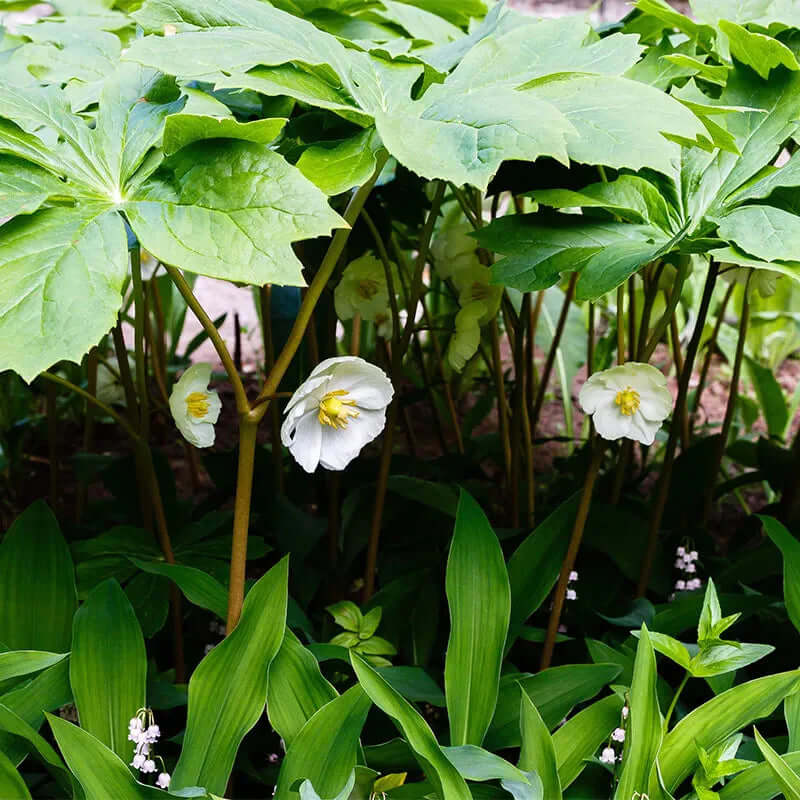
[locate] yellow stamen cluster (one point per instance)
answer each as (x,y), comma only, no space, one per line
(628,401)
(368,288)
(334,411)
(197,404)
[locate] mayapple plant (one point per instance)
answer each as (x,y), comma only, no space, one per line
(447,204)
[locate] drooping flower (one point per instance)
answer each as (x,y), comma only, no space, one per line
(474,287)
(630,400)
(337,410)
(195,408)
(467,336)
(618,735)
(362,290)
(608,756)
(163,780)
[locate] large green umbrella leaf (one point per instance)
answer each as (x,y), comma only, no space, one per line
(12,787)
(539,248)
(325,749)
(37,590)
(24,187)
(214,199)
(579,738)
(554,692)
(228,690)
(297,689)
(768,233)
(480,605)
(644,733)
(416,731)
(108,681)
(62,273)
(99,770)
(717,719)
(183,129)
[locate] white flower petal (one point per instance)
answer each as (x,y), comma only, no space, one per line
(340,446)
(655,404)
(594,393)
(610,424)
(307,442)
(309,386)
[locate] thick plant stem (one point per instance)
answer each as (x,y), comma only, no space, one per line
(248,428)
(662,487)
(313,293)
(242,405)
(572,553)
(138,342)
(502,403)
(710,345)
(730,408)
(544,379)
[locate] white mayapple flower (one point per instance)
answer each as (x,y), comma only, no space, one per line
(362,290)
(194,407)
(338,409)
(630,400)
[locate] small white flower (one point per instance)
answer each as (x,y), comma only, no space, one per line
(630,400)
(694,583)
(608,756)
(138,760)
(679,563)
(163,779)
(148,766)
(152,733)
(273,758)
(691,567)
(693,555)
(618,735)
(625,712)
(572,594)
(135,730)
(680,586)
(109,388)
(194,407)
(681,551)
(573,576)
(337,410)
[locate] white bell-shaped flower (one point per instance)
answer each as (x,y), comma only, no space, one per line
(631,401)
(338,409)
(195,408)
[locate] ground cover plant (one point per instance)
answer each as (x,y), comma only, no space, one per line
(510,508)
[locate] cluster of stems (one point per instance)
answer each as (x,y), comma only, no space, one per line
(519,400)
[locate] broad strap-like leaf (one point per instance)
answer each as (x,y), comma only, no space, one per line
(537,753)
(717,719)
(228,689)
(644,733)
(14,663)
(99,770)
(297,688)
(108,682)
(554,692)
(480,605)
(416,731)
(579,738)
(37,592)
(11,784)
(790,550)
(62,271)
(787,778)
(216,199)
(325,749)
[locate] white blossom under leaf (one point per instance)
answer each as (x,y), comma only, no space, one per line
(337,410)
(195,408)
